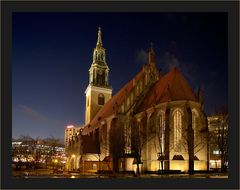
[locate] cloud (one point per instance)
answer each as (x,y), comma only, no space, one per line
(168,61)
(33,114)
(141,56)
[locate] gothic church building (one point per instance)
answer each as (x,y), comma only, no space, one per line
(153,122)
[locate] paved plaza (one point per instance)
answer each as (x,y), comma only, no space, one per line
(46,173)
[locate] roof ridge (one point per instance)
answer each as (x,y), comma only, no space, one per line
(182,86)
(169,77)
(185,81)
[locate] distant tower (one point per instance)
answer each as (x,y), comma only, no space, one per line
(98,91)
(153,71)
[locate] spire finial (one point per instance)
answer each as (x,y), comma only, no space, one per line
(151,54)
(99,40)
(151,45)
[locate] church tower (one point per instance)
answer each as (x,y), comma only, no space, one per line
(98,91)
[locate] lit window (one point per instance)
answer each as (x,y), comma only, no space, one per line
(127,138)
(101,99)
(161,130)
(216,152)
(140,86)
(94,166)
(194,122)
(146,79)
(128,102)
(137,89)
(122,108)
(131,98)
(177,115)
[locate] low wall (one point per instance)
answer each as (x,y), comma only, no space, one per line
(94,166)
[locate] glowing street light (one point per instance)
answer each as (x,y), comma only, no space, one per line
(73,155)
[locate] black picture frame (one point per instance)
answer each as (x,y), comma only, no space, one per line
(8,7)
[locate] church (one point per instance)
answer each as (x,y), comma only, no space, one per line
(154,122)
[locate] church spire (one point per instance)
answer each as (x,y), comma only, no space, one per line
(99,40)
(151,54)
(98,73)
(98,91)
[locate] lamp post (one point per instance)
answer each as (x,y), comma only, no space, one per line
(56,163)
(161,158)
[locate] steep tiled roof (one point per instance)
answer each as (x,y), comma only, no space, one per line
(170,87)
(114,103)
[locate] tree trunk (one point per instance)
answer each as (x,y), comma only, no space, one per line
(138,171)
(162,165)
(124,163)
(167,137)
(190,143)
(191,153)
(222,164)
(115,164)
(99,162)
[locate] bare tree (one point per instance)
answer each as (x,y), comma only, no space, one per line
(27,149)
(116,142)
(52,142)
(159,142)
(193,144)
(140,137)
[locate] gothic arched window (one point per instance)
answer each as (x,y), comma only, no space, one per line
(127,138)
(177,119)
(161,130)
(101,99)
(128,102)
(131,98)
(194,122)
(146,79)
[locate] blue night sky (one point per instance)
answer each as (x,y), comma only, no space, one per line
(52,53)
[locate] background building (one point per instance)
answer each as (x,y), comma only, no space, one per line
(70,132)
(218,141)
(37,153)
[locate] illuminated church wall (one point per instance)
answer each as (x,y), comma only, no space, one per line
(167,120)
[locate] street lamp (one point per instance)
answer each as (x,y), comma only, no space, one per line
(73,163)
(161,158)
(55,163)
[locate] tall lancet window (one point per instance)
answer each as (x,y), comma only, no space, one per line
(161,131)
(127,138)
(194,123)
(177,119)
(146,79)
